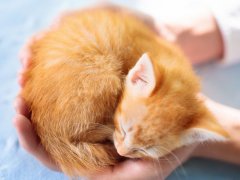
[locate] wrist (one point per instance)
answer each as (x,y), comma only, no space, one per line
(227,117)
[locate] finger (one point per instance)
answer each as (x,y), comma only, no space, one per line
(130,169)
(20,79)
(181,154)
(27,137)
(31,143)
(147,169)
(21,107)
(25,54)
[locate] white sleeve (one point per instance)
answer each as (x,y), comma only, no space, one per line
(226,12)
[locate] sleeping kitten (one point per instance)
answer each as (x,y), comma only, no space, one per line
(76,78)
(159,110)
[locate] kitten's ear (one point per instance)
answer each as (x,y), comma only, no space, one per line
(141,80)
(206,129)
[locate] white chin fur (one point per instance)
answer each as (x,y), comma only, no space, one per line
(195,135)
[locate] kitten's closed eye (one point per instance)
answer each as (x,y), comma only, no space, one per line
(142,150)
(137,153)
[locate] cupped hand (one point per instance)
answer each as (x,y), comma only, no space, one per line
(147,169)
(196,32)
(28,138)
(26,134)
(229,119)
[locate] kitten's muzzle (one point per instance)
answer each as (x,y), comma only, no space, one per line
(123,151)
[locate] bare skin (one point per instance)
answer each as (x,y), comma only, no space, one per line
(197,34)
(145,169)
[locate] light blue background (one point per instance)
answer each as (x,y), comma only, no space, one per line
(19,19)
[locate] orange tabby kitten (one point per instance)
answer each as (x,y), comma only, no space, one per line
(76,79)
(159,110)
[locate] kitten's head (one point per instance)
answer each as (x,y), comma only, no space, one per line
(159,112)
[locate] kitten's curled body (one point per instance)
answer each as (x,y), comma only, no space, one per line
(76,79)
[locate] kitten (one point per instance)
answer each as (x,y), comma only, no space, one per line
(76,79)
(159,110)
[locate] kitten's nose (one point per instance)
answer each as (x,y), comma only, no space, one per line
(123,151)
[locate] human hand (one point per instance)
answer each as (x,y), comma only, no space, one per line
(229,119)
(196,33)
(28,138)
(26,134)
(147,169)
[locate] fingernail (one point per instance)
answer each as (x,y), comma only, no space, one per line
(16,104)
(25,60)
(20,81)
(14,121)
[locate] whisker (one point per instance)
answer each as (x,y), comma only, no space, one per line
(175,159)
(169,162)
(161,170)
(165,158)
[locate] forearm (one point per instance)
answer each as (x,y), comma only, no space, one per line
(228,117)
(229,151)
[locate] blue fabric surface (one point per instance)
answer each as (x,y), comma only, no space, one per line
(18,20)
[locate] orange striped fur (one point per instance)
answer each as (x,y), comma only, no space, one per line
(76,80)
